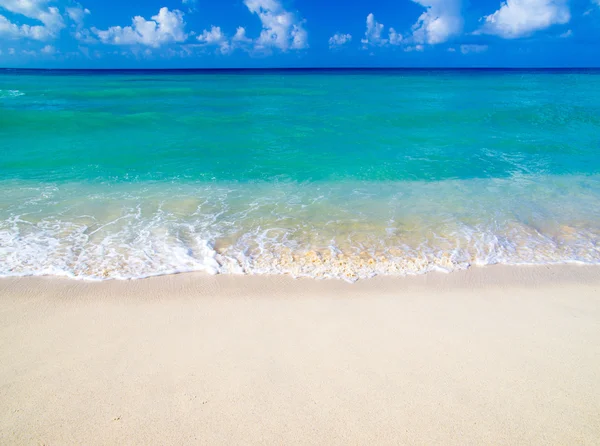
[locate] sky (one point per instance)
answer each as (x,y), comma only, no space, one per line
(299,33)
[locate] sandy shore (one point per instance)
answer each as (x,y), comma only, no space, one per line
(488,356)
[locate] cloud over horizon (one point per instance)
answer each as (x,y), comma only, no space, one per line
(338,40)
(37,10)
(441,20)
(261,28)
(521,18)
(281,29)
(164,27)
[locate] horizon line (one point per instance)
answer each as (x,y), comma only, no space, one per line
(361,68)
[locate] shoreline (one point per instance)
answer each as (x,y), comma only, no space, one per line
(490,355)
(474,276)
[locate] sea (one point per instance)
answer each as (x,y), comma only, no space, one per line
(345,173)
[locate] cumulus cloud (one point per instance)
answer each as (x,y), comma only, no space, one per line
(466,49)
(7,28)
(215,37)
(394,37)
(441,20)
(77,14)
(281,29)
(38,10)
(520,18)
(163,28)
(338,40)
(374,34)
(240,36)
(48,49)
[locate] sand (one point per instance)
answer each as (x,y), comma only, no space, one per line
(488,356)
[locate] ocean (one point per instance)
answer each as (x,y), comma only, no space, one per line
(312,173)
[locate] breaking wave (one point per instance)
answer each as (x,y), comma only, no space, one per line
(330,230)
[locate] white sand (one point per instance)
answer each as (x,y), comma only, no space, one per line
(488,356)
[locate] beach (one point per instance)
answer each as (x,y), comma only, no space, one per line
(494,355)
(347,256)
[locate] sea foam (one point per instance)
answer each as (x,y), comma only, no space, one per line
(10,94)
(338,230)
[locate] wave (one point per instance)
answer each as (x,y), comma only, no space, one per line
(10,94)
(331,230)
(147,249)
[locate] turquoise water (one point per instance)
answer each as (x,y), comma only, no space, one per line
(344,174)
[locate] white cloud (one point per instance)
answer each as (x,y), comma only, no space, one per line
(374,37)
(338,40)
(373,33)
(466,49)
(409,49)
(84,35)
(8,28)
(215,37)
(441,21)
(77,14)
(567,33)
(281,29)
(163,28)
(240,36)
(519,18)
(49,16)
(48,49)
(394,37)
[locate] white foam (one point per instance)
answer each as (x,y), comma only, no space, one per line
(83,232)
(10,93)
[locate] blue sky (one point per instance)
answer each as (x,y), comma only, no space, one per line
(298,33)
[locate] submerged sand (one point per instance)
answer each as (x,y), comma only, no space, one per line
(487,356)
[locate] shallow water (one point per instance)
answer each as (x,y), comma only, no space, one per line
(321,174)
